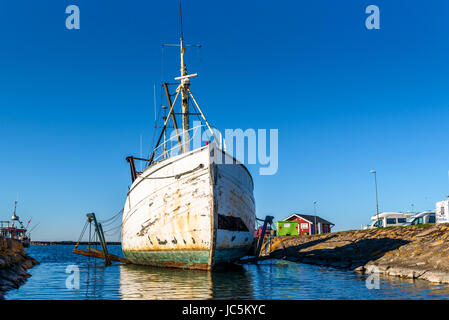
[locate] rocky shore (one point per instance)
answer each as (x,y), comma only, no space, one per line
(14,263)
(417,252)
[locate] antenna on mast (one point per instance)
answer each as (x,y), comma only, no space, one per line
(183,91)
(183,88)
(180,17)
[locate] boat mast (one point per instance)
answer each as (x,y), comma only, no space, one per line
(184,91)
(183,87)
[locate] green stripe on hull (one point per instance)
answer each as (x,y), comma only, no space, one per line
(196,259)
(189,259)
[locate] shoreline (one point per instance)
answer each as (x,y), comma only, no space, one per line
(51,243)
(14,263)
(414,252)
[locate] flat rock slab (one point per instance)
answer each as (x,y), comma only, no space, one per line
(418,252)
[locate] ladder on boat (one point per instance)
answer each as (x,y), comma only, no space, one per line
(93,252)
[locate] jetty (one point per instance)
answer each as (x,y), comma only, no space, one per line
(416,252)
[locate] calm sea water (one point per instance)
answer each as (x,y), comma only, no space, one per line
(271,280)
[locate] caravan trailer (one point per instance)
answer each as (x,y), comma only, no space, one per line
(424,217)
(389,219)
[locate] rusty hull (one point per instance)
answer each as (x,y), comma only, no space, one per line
(171,219)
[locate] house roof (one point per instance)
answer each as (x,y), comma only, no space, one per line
(310,218)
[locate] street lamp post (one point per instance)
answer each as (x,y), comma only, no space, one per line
(314,223)
(377,200)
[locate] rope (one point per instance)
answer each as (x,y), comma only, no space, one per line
(112,223)
(112,218)
(82,233)
(115,228)
(90,232)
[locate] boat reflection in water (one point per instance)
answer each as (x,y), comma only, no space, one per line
(149,283)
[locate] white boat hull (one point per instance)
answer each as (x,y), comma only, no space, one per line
(190,211)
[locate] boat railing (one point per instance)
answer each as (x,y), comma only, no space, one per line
(198,137)
(174,144)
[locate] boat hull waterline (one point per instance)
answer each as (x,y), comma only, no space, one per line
(193,210)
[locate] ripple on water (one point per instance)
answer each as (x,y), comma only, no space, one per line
(268,280)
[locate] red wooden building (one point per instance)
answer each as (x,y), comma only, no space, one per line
(309,224)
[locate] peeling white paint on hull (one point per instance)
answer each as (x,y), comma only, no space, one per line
(190,211)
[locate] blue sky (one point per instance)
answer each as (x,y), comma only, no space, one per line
(346,100)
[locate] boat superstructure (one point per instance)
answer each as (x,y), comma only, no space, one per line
(193,204)
(14,229)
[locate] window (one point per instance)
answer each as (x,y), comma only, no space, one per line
(401,220)
(432,219)
(391,220)
(378,224)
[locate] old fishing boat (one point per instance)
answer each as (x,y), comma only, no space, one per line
(15,229)
(193,205)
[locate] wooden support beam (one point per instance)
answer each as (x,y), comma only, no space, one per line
(99,254)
